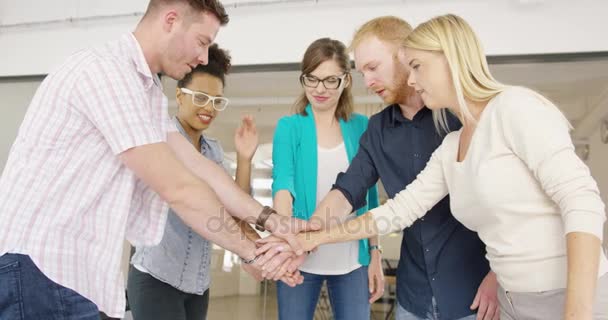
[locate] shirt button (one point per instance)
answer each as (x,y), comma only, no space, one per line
(427,250)
(422,219)
(433,279)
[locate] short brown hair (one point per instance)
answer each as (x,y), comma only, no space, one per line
(318,52)
(214,7)
(391,29)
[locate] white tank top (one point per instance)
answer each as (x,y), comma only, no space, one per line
(333,258)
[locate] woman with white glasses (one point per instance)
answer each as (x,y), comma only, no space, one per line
(171,280)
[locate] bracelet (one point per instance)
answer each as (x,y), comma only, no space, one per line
(264,215)
(250,261)
(375,247)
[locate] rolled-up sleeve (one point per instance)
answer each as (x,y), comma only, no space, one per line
(360,176)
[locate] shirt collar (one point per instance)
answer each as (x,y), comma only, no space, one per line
(181,130)
(141,65)
(396,117)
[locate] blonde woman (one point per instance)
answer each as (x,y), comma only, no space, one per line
(512,175)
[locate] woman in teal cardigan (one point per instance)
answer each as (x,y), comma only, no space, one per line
(309,149)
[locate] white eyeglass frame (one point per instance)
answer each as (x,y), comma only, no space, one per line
(211,99)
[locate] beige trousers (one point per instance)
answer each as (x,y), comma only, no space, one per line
(547,305)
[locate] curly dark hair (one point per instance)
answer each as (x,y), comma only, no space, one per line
(214,7)
(218,66)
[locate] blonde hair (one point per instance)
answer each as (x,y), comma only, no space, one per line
(452,35)
(390,29)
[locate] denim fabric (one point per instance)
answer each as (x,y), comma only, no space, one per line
(182,258)
(26,293)
(168,302)
(348,295)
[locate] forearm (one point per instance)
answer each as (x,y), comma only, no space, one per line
(283,203)
(374,241)
(361,227)
(237,202)
(332,209)
(583,263)
(198,207)
(243,174)
(247,229)
(243,180)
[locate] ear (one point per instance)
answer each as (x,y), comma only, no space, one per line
(179,95)
(400,54)
(170,19)
(348,80)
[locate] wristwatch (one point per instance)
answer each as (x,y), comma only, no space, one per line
(375,247)
(264,215)
(250,261)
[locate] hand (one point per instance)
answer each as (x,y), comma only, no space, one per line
(296,263)
(269,239)
(246,138)
(485,300)
(289,229)
(269,247)
(276,267)
(293,280)
(375,276)
(253,271)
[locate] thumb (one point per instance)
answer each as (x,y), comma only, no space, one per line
(475,304)
(370,283)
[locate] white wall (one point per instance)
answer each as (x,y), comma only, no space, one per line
(280,33)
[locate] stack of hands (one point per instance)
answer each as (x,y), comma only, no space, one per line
(279,256)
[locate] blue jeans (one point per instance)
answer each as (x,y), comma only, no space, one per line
(348,295)
(432,314)
(26,293)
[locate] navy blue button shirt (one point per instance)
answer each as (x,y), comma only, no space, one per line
(440,258)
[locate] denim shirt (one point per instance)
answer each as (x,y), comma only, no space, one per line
(440,258)
(182,259)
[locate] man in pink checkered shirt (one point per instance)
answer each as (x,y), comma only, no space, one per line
(97,160)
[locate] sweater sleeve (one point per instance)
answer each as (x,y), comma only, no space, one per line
(416,199)
(538,133)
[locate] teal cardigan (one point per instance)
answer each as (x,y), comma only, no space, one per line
(294,159)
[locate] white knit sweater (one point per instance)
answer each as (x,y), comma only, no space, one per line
(520,186)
